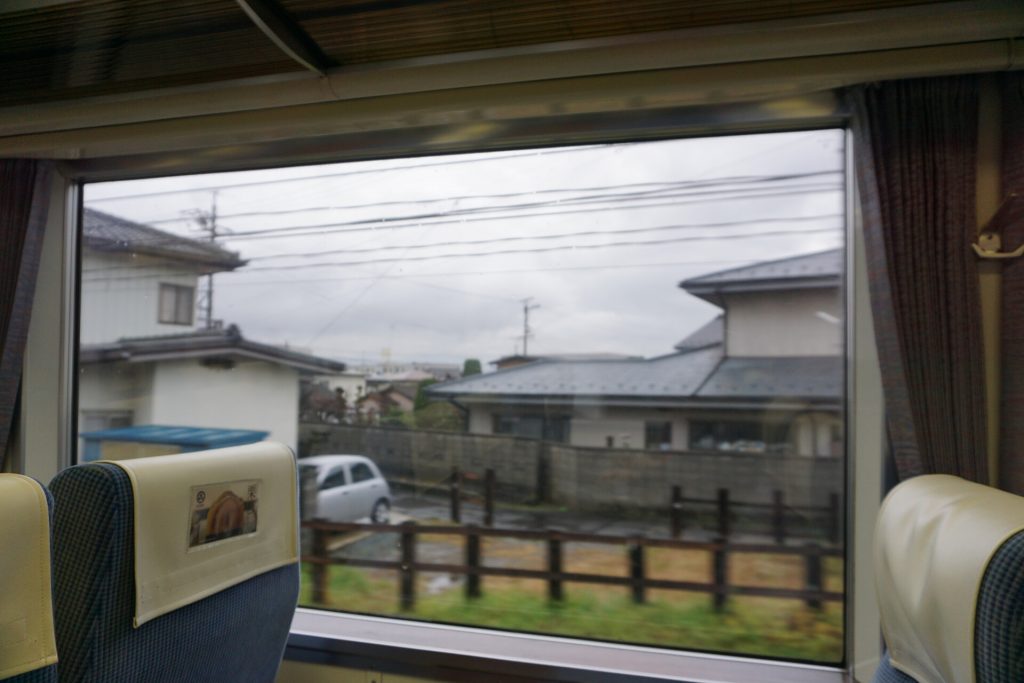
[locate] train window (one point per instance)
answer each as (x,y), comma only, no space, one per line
(600,388)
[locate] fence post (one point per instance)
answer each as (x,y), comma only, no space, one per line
(779,517)
(489,497)
(455,491)
(724,523)
(319,570)
(472,563)
(720,570)
(676,511)
(636,570)
(813,558)
(307,505)
(833,517)
(543,473)
(555,568)
(407,572)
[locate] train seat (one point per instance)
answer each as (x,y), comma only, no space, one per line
(28,651)
(176,568)
(948,558)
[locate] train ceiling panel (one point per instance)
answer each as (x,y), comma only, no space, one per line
(68,49)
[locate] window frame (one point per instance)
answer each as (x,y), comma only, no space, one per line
(176,294)
(343,639)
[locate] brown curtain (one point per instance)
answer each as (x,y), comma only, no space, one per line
(916,148)
(1011,449)
(24,201)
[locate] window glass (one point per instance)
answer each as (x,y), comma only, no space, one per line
(336,478)
(658,435)
(176,303)
(361,472)
(603,384)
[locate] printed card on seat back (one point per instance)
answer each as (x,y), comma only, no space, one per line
(208,520)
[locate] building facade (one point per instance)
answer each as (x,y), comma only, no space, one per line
(765,376)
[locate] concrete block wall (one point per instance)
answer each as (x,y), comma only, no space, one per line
(528,470)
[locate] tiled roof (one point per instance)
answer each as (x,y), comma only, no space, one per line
(701,374)
(810,377)
(204,343)
(818,270)
(106,232)
(709,335)
(679,374)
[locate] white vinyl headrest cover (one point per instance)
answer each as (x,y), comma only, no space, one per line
(26,613)
(934,539)
(208,520)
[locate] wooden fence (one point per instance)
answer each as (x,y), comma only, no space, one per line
(680,508)
(474,569)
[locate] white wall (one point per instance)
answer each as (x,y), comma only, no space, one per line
(251,395)
(116,387)
(121,296)
(794,323)
(591,426)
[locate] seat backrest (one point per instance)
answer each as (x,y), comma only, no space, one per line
(948,558)
(28,650)
(176,568)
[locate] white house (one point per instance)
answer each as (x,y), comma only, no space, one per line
(142,359)
(764,376)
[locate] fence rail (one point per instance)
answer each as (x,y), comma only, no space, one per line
(679,507)
(473,568)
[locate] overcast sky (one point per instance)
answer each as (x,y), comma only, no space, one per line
(344,271)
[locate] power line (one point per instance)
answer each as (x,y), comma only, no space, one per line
(539,250)
(663,185)
(403,223)
(376,223)
(561,235)
(585,233)
(446,162)
(506,271)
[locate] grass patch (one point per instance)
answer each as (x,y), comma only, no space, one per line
(754,626)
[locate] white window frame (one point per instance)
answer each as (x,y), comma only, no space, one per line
(437,651)
(176,295)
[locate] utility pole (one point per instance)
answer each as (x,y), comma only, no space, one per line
(207,221)
(527,307)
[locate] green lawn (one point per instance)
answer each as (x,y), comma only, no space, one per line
(755,626)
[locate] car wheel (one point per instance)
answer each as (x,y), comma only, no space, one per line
(381,512)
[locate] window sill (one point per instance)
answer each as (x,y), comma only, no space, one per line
(462,653)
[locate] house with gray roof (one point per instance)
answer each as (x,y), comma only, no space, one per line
(143,358)
(766,375)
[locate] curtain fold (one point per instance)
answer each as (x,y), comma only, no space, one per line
(1011,446)
(24,203)
(916,154)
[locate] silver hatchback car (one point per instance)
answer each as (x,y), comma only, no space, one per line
(349,487)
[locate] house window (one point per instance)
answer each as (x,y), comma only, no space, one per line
(741,436)
(533,427)
(650,285)
(176,304)
(658,435)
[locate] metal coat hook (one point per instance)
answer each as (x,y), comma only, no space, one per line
(990,241)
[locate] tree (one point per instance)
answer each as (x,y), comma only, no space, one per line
(422,400)
(471,367)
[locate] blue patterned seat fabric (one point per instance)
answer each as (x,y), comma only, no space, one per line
(237,634)
(999,621)
(48,674)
